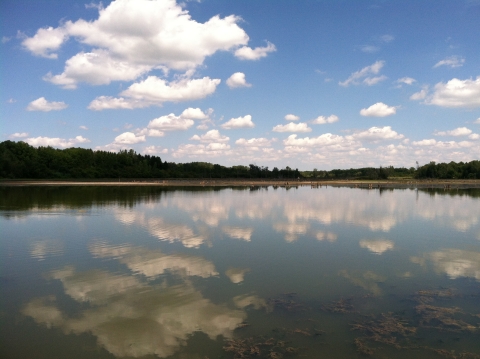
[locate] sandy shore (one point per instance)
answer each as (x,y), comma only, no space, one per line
(446,184)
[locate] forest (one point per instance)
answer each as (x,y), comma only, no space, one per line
(19,160)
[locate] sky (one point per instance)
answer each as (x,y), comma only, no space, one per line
(307,84)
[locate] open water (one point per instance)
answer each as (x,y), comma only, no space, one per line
(264,272)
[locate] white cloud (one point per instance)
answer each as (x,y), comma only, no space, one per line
(292,127)
(55,141)
(18,135)
(41,104)
(83,128)
(128,138)
(170,123)
(211,136)
(378,110)
(154,150)
(452,61)
(247,53)
(378,134)
(321,120)
(387,38)
(202,126)
(45,41)
(155,91)
(5,39)
(195,114)
(239,122)
(370,81)
(460,131)
(291,117)
(137,36)
(429,142)
(474,136)
(327,139)
(149,132)
(253,142)
(214,149)
(370,49)
(420,95)
(406,80)
(96,68)
(237,80)
(456,93)
(477,121)
(355,77)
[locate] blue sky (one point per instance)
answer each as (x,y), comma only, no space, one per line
(309,84)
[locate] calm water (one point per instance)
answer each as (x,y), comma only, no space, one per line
(98,272)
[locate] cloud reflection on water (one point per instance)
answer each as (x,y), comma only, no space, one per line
(132,318)
(377,246)
(153,263)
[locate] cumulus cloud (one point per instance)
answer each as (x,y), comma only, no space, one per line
(253,142)
(155,91)
(364,74)
(55,141)
(456,93)
(452,61)
(321,120)
(426,142)
(420,95)
(41,104)
(128,138)
(374,134)
(45,41)
(239,122)
(327,139)
(18,135)
(214,149)
(378,110)
(237,80)
(247,53)
(477,121)
(406,80)
(291,117)
(131,37)
(211,136)
(83,128)
(171,123)
(460,131)
(96,68)
(292,127)
(154,150)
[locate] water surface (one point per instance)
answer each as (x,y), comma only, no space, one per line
(263,272)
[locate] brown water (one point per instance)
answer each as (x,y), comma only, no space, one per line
(100,272)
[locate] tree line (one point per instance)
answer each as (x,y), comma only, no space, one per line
(19,160)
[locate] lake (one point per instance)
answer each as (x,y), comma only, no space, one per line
(242,272)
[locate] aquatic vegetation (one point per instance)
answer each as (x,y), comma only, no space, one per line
(286,303)
(387,329)
(259,347)
(340,306)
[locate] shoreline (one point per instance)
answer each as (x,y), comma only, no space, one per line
(394,183)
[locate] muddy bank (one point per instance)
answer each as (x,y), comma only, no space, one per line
(444,184)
